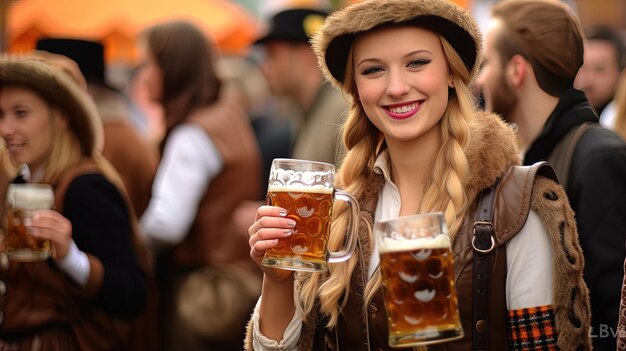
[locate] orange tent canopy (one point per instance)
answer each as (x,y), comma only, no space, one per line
(117,23)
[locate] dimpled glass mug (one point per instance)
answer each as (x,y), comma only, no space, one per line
(21,201)
(417,268)
(306,190)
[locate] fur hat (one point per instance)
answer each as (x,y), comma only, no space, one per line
(332,43)
(57,88)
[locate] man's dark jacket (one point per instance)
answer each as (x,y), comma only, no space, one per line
(597,192)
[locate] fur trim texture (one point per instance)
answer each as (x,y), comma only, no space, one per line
(333,41)
(569,292)
(56,87)
(486,162)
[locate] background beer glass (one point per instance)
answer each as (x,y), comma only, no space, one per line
(21,201)
(305,189)
(418,280)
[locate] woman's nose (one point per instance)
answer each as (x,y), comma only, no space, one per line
(397,84)
(6,127)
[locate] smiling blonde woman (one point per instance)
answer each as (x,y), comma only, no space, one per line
(417,144)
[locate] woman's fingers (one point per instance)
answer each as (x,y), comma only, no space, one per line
(270,217)
(258,249)
(51,225)
(269,226)
(271,211)
(270,234)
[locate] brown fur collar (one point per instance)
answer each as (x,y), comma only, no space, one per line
(493,147)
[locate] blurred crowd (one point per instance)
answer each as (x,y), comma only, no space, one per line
(157,183)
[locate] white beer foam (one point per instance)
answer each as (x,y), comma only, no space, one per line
(30,196)
(317,189)
(441,241)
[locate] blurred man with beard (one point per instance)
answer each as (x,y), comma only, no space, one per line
(533,51)
(598,78)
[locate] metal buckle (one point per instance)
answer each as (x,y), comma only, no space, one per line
(493,241)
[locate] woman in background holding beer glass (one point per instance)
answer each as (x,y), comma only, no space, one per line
(87,296)
(417,144)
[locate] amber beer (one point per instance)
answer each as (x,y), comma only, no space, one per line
(311,209)
(306,190)
(418,286)
(22,200)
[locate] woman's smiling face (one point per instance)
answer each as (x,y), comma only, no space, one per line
(402,79)
(27,125)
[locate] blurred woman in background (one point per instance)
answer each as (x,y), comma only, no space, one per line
(88,295)
(210,162)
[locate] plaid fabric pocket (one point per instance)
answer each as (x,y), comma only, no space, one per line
(532,329)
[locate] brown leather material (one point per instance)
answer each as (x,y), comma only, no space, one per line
(39,294)
(49,339)
(483,243)
(212,239)
(134,159)
(511,208)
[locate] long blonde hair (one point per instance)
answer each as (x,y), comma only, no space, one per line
(66,148)
(67,151)
(364,142)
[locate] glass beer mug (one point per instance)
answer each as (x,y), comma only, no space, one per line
(306,190)
(21,201)
(417,269)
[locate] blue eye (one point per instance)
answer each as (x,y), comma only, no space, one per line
(418,63)
(21,113)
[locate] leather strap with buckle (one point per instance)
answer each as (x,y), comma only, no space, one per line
(483,243)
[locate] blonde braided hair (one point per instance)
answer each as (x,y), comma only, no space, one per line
(364,143)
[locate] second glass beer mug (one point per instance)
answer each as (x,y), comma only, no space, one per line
(21,201)
(418,280)
(306,190)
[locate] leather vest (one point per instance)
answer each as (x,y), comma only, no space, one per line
(211,240)
(363,327)
(39,297)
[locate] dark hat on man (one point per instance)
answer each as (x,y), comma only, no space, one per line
(333,41)
(296,25)
(58,88)
(89,55)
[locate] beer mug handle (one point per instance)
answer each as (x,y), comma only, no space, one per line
(350,246)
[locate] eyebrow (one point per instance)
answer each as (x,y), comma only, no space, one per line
(20,102)
(404,56)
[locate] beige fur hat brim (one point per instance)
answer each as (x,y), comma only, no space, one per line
(59,89)
(333,41)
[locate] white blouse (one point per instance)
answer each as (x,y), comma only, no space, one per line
(529,265)
(190,161)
